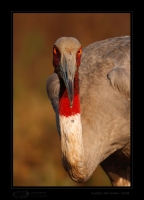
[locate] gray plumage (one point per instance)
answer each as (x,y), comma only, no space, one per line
(104,86)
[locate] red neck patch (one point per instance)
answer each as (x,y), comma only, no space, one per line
(64,103)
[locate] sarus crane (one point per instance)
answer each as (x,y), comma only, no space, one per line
(90,94)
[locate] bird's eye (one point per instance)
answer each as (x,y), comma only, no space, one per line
(79,51)
(55,50)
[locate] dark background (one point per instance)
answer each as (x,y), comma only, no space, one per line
(36,144)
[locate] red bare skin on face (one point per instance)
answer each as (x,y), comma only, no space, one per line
(78,57)
(56,58)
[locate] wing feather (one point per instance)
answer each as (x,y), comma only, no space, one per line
(53,88)
(120,80)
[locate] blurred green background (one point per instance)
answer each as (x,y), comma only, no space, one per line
(36,144)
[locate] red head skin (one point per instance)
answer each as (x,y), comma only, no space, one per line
(64,104)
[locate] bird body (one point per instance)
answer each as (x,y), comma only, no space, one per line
(90,94)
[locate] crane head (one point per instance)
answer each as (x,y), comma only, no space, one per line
(66,60)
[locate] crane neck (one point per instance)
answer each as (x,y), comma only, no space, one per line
(73,155)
